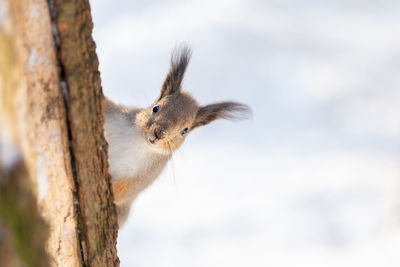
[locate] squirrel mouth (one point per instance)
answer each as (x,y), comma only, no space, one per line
(152,141)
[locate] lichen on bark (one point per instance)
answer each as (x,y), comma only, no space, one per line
(24,231)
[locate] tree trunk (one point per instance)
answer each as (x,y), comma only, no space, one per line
(22,230)
(51,100)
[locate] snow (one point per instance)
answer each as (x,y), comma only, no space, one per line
(41,176)
(313,178)
(35,59)
(34,11)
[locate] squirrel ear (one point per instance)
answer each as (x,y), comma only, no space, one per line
(179,60)
(222,110)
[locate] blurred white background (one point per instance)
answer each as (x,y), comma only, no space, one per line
(313,179)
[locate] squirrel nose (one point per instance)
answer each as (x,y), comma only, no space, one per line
(159,133)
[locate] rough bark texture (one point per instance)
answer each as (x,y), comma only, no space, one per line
(32,106)
(79,71)
(71,183)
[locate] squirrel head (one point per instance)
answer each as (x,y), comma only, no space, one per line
(175,113)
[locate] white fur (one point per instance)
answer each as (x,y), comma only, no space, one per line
(129,153)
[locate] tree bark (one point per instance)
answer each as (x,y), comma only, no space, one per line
(22,230)
(51,100)
(79,69)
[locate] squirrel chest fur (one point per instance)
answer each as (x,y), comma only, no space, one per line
(142,140)
(131,159)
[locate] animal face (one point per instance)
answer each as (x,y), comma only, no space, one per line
(174,114)
(167,122)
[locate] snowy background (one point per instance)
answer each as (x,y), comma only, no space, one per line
(313,179)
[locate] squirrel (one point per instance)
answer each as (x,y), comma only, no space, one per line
(142,140)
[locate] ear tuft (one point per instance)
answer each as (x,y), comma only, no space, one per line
(222,110)
(180,58)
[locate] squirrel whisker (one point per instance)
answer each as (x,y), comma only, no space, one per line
(143,140)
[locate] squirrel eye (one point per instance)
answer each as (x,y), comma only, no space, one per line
(156,108)
(184,131)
